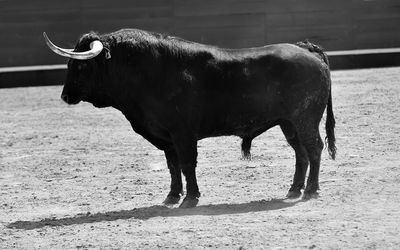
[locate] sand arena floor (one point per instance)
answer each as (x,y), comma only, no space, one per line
(79,177)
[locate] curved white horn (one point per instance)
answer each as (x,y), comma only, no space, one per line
(95,48)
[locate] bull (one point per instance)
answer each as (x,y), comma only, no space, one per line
(176,92)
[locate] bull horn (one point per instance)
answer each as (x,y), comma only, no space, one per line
(95,48)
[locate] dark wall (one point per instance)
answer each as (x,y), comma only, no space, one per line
(335,24)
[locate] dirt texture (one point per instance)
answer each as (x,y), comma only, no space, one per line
(79,177)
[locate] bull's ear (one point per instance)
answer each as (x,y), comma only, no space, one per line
(107,53)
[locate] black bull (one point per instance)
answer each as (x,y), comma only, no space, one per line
(175,92)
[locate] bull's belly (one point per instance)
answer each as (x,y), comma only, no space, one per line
(237,126)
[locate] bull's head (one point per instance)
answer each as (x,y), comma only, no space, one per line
(84,80)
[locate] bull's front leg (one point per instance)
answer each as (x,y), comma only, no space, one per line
(192,190)
(186,149)
(176,178)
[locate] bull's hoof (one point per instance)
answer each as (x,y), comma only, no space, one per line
(246,156)
(293,194)
(189,202)
(171,200)
(311,191)
(310,195)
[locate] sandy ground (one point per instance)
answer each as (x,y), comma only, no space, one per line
(79,177)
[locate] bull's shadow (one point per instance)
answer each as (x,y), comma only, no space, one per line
(145,213)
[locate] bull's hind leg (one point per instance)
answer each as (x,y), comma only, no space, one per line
(176,178)
(301,159)
(309,137)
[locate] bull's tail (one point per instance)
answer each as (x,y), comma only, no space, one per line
(330,128)
(246,146)
(314,49)
(330,119)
